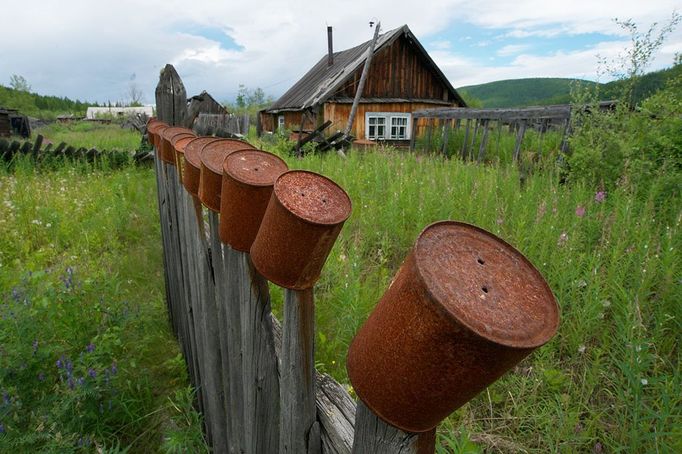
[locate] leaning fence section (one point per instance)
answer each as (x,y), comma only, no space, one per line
(464,307)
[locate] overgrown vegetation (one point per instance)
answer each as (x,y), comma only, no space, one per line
(87,361)
(39,106)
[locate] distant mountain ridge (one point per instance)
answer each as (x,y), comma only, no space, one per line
(540,91)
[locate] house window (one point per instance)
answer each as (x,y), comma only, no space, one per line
(280,123)
(387,125)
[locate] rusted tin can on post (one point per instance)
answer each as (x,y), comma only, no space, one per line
(303,218)
(192,168)
(248,178)
(155,130)
(463,309)
(167,152)
(212,157)
(179,142)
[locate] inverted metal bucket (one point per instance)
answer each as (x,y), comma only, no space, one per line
(167,152)
(155,130)
(211,171)
(248,178)
(464,308)
(192,168)
(303,219)
(179,142)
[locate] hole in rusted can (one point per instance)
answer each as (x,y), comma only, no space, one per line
(485,289)
(481,261)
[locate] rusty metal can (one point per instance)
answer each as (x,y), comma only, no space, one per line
(155,131)
(301,223)
(463,309)
(211,175)
(167,152)
(248,178)
(179,142)
(192,168)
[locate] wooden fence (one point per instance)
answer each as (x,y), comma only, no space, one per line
(256,384)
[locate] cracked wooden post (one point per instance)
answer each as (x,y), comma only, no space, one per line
(247,181)
(301,223)
(464,308)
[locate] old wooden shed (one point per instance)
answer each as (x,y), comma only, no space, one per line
(402,78)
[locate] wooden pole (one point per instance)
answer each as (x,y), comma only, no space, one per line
(519,140)
(470,151)
(373,435)
(444,139)
(363,77)
(484,141)
(465,142)
(413,134)
(299,429)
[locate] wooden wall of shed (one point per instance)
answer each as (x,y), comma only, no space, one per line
(292,121)
(399,71)
(5,126)
(338,113)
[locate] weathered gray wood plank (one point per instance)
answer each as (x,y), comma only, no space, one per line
(374,436)
(298,417)
(519,140)
(550,112)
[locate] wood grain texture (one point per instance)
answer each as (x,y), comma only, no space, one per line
(297,379)
(374,436)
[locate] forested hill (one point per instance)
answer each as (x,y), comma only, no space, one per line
(39,106)
(551,90)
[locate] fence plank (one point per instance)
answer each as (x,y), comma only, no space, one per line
(260,370)
(299,429)
(372,435)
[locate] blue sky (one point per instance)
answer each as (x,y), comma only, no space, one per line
(89,50)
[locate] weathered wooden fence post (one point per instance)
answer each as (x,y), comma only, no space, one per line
(303,219)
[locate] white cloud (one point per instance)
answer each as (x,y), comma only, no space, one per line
(512,49)
(85,49)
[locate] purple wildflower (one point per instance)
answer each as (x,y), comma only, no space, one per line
(5,398)
(80,381)
(69,366)
(59,363)
(600,196)
(580,211)
(90,348)
(114,368)
(92,372)
(2,428)
(71,383)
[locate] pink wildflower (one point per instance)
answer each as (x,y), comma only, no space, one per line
(580,211)
(600,196)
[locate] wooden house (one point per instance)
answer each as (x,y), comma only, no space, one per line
(402,78)
(13,122)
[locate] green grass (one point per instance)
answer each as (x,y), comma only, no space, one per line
(105,137)
(610,378)
(86,357)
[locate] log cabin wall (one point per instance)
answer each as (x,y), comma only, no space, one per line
(338,114)
(399,71)
(292,121)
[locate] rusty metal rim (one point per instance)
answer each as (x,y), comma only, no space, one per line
(252,185)
(387,420)
(452,317)
(177,137)
(219,170)
(308,221)
(188,157)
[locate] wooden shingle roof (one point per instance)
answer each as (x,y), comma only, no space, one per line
(322,81)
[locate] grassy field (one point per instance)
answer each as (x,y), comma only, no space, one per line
(81,285)
(86,134)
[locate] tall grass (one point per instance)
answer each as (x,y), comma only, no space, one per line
(610,379)
(90,134)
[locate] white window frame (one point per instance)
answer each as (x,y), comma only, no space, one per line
(280,123)
(388,123)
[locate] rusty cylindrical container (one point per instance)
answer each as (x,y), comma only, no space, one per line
(151,123)
(248,178)
(155,130)
(167,153)
(304,216)
(179,142)
(464,308)
(212,157)
(192,168)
